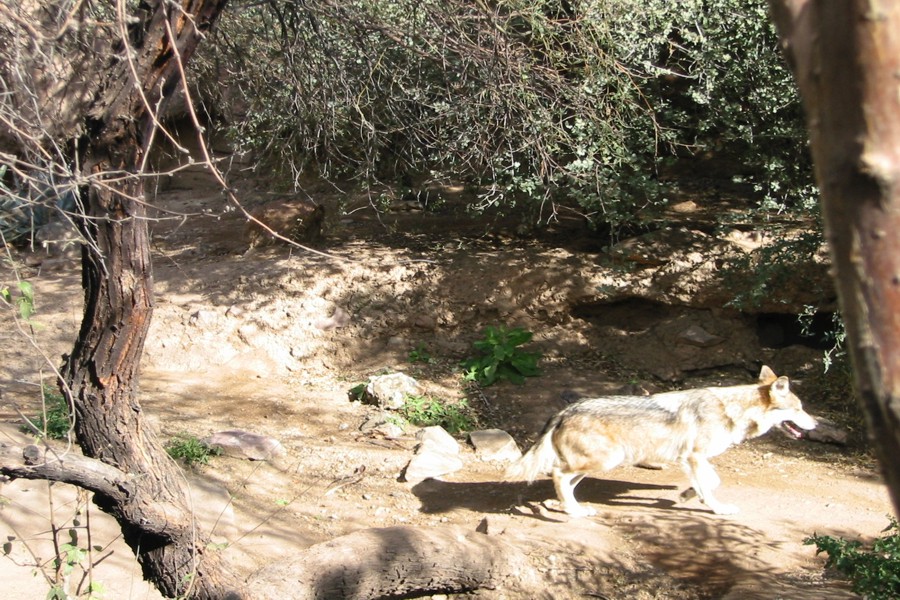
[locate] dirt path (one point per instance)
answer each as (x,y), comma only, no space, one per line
(272,341)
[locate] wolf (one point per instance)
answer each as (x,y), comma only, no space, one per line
(688,427)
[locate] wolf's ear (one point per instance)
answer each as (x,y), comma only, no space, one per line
(780,388)
(767,375)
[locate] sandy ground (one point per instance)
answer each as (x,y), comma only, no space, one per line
(271,341)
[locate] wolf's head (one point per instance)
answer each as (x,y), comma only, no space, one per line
(784,408)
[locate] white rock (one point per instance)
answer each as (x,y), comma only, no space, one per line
(495,444)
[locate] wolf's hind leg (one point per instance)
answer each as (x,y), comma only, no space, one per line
(565,490)
(704,480)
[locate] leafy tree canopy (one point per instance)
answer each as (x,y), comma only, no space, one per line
(523,99)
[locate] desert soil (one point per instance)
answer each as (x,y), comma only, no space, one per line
(271,341)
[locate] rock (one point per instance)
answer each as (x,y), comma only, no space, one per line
(203,317)
(570,396)
(633,389)
(339,318)
(397,342)
(390,430)
(380,423)
(299,220)
(437,438)
(686,207)
(244,444)
(373,421)
(651,466)
(32,455)
(234,311)
(424,322)
(390,391)
(437,454)
(697,336)
(431,463)
(495,444)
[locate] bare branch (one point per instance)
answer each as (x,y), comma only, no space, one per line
(31,462)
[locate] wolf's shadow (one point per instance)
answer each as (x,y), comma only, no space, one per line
(500,496)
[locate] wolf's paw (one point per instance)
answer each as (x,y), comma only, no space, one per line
(725,509)
(578,511)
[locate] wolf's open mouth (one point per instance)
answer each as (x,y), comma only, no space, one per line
(792,429)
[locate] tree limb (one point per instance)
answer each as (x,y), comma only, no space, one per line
(30,462)
(112,486)
(398,562)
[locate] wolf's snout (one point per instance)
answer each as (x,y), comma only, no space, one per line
(797,424)
(804,420)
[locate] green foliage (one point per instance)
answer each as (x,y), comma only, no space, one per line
(426,411)
(396,420)
(419,354)
(500,357)
(24,302)
(191,450)
(358,392)
(835,337)
(55,420)
(875,571)
(782,264)
(523,99)
(73,556)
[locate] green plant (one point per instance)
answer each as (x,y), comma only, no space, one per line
(191,450)
(835,336)
(396,420)
(69,573)
(501,358)
(596,97)
(24,302)
(419,354)
(72,556)
(358,392)
(426,411)
(874,572)
(54,421)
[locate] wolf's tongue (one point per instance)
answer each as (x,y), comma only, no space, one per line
(792,429)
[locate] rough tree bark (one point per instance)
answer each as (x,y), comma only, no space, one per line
(845,55)
(401,562)
(102,370)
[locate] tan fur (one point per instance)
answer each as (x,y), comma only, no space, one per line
(688,427)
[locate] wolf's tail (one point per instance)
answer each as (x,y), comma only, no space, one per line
(539,459)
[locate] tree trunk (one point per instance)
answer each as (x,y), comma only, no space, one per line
(846,58)
(102,371)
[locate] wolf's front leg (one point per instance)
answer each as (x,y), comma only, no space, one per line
(704,480)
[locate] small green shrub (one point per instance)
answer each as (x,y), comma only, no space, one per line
(191,450)
(396,420)
(55,420)
(501,358)
(358,392)
(24,301)
(874,572)
(419,354)
(426,411)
